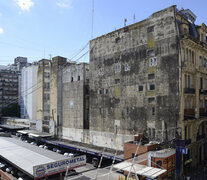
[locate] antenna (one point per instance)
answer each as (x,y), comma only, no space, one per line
(92,19)
(125,20)
(134,17)
(50,55)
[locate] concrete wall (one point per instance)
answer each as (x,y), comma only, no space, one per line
(141,54)
(102,139)
(43,91)
(74,106)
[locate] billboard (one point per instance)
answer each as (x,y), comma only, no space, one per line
(55,167)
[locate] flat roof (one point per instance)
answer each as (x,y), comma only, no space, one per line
(34,133)
(24,155)
(84,149)
(11,127)
(139,169)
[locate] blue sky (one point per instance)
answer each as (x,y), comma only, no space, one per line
(38,28)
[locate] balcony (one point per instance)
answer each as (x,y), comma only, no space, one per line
(189,90)
(189,114)
(201,91)
(199,137)
(203,112)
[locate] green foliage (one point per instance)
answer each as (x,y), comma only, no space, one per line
(12,110)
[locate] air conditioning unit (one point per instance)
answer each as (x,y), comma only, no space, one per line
(201,90)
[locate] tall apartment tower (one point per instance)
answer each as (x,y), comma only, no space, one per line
(29,88)
(43,93)
(151,77)
(8,87)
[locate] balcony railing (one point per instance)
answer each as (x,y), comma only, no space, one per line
(189,90)
(201,91)
(189,114)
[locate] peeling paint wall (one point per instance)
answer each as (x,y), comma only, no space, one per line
(134,79)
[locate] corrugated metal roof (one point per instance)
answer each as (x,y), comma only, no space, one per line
(139,169)
(24,155)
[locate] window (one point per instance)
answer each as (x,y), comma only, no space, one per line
(78,78)
(106,91)
(159,164)
(151,100)
(153,62)
(117,40)
(150,29)
(117,68)
(117,81)
(201,61)
(153,111)
(117,101)
(152,87)
(100,91)
(206,39)
(127,67)
(100,111)
(150,52)
(193,57)
(201,104)
(151,76)
(201,83)
(71,79)
(205,63)
(140,88)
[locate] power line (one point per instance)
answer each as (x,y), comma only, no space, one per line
(60,68)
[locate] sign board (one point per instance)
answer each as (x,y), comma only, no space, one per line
(55,167)
(184,150)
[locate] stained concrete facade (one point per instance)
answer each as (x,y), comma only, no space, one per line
(43,93)
(134,79)
(56,71)
(150,77)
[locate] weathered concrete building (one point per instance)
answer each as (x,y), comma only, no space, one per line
(43,93)
(75,102)
(149,78)
(56,71)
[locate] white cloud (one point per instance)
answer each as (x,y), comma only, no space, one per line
(25,5)
(64,3)
(1,30)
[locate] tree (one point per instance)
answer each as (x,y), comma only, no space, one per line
(12,110)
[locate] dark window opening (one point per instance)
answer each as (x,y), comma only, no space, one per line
(150,52)
(159,164)
(151,100)
(151,76)
(71,79)
(150,29)
(100,111)
(78,78)
(152,87)
(140,88)
(153,111)
(106,91)
(100,91)
(117,101)
(117,40)
(201,83)
(117,81)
